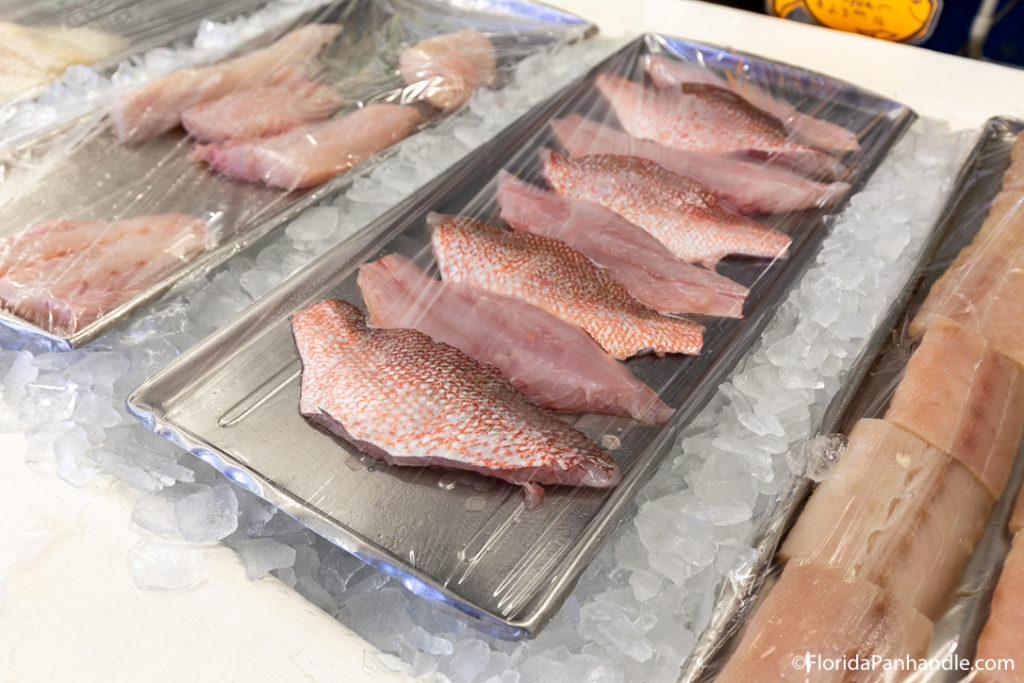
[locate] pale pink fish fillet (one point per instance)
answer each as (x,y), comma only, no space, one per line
(667,73)
(63,275)
(310,155)
(445,69)
(815,610)
(408,400)
(961,395)
(707,118)
(550,274)
(1003,635)
(896,512)
(555,364)
(262,110)
(741,186)
(638,261)
(157,107)
(676,210)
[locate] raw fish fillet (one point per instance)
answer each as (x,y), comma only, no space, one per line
(261,111)
(555,364)
(407,400)
(667,73)
(157,106)
(310,155)
(640,263)
(677,211)
(813,610)
(1003,635)
(741,186)
(1017,514)
(961,395)
(708,118)
(896,512)
(446,69)
(63,275)
(549,274)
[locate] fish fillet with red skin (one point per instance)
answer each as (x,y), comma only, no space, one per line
(667,73)
(814,610)
(157,107)
(896,512)
(741,186)
(707,118)
(640,263)
(555,364)
(446,69)
(1003,635)
(550,274)
(310,155)
(408,400)
(961,395)
(261,111)
(675,210)
(63,275)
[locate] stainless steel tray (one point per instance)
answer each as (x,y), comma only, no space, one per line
(461,539)
(81,172)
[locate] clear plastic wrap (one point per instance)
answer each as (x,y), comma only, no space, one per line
(506,562)
(921,505)
(127,204)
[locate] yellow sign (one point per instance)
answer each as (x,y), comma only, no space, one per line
(901,20)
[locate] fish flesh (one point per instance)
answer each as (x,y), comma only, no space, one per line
(1003,635)
(405,399)
(548,273)
(962,396)
(815,611)
(261,111)
(446,69)
(896,512)
(157,106)
(741,186)
(555,364)
(640,263)
(62,275)
(667,73)
(313,154)
(708,118)
(1017,514)
(1013,179)
(675,210)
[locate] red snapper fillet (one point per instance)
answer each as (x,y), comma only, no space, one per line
(640,263)
(555,364)
(707,118)
(675,210)
(63,275)
(408,400)
(446,69)
(548,273)
(157,107)
(667,73)
(741,186)
(262,110)
(310,155)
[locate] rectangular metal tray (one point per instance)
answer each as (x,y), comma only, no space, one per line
(462,539)
(81,172)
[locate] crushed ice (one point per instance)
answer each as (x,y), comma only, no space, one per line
(643,602)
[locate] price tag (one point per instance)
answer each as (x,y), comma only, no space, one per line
(900,20)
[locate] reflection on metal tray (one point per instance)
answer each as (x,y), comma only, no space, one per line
(463,539)
(80,171)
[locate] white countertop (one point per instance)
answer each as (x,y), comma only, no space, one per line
(73,612)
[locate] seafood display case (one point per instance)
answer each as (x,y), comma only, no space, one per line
(273,130)
(472,542)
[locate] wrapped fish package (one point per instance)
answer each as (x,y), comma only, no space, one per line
(541,319)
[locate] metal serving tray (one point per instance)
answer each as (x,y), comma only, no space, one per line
(454,538)
(81,172)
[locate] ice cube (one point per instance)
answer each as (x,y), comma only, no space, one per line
(609,625)
(261,555)
(315,224)
(159,565)
(22,371)
(645,584)
(469,659)
(156,513)
(207,515)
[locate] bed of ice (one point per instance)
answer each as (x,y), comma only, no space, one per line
(639,607)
